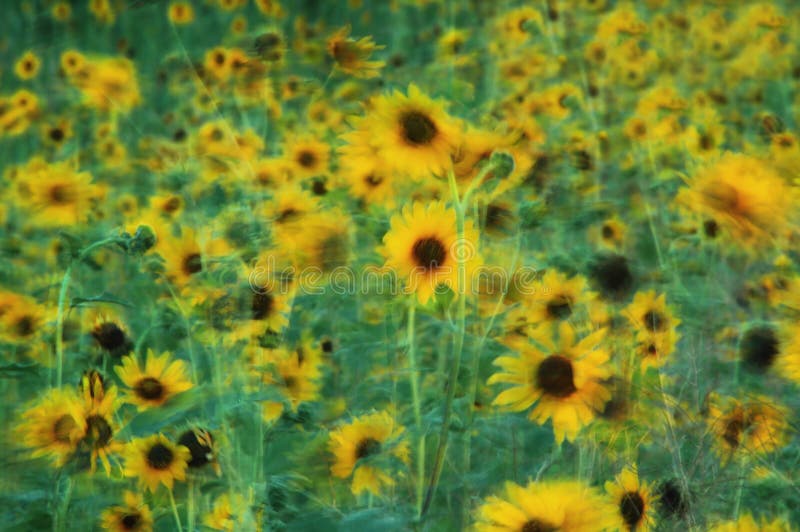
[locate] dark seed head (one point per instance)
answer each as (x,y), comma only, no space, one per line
(111,338)
(149,388)
(160,457)
(261,305)
(612,275)
(307,159)
(131,521)
(535,525)
(98,431)
(711,228)
(654,321)
(555,376)
(192,264)
(429,253)
(671,499)
(559,308)
(367,447)
(759,347)
(632,508)
(56,134)
(201,450)
(418,128)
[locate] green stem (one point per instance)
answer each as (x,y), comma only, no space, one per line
(190,506)
(414,379)
(739,490)
(175,511)
(62,299)
(458,346)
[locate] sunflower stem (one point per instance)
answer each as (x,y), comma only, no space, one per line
(190,505)
(739,489)
(62,300)
(175,511)
(458,345)
(414,379)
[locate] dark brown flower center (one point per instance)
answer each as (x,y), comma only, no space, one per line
(555,376)
(307,159)
(25,326)
(759,347)
(654,321)
(608,232)
(98,431)
(131,521)
(61,194)
(429,253)
(418,128)
(200,449)
(632,508)
(109,336)
(367,447)
(373,180)
(262,305)
(560,307)
(192,263)
(160,456)
(149,388)
(56,134)
(536,525)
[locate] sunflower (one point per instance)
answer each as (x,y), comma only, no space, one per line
(133,516)
(357,446)
(610,234)
(187,256)
(413,134)
(634,500)
(564,379)
(54,426)
(202,447)
(156,460)
(295,375)
(27,66)
(649,314)
(111,335)
(557,298)
(369,180)
(307,157)
(287,212)
(98,440)
(745,196)
(787,359)
(327,243)
(421,247)
(57,132)
(157,383)
(229,513)
(563,505)
(58,195)
(180,13)
(754,426)
(351,55)
(747,523)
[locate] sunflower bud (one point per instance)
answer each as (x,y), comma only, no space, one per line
(92,386)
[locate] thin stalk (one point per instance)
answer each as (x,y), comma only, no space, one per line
(458,346)
(175,511)
(413,376)
(62,299)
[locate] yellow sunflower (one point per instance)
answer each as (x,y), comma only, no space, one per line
(351,55)
(156,460)
(745,196)
(649,314)
(58,195)
(413,134)
(133,516)
(187,256)
(564,378)
(564,505)
(747,523)
(295,375)
(111,335)
(180,13)
(634,500)
(27,66)
(157,383)
(421,248)
(307,157)
(754,426)
(53,426)
(98,441)
(369,180)
(557,298)
(202,448)
(229,513)
(356,446)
